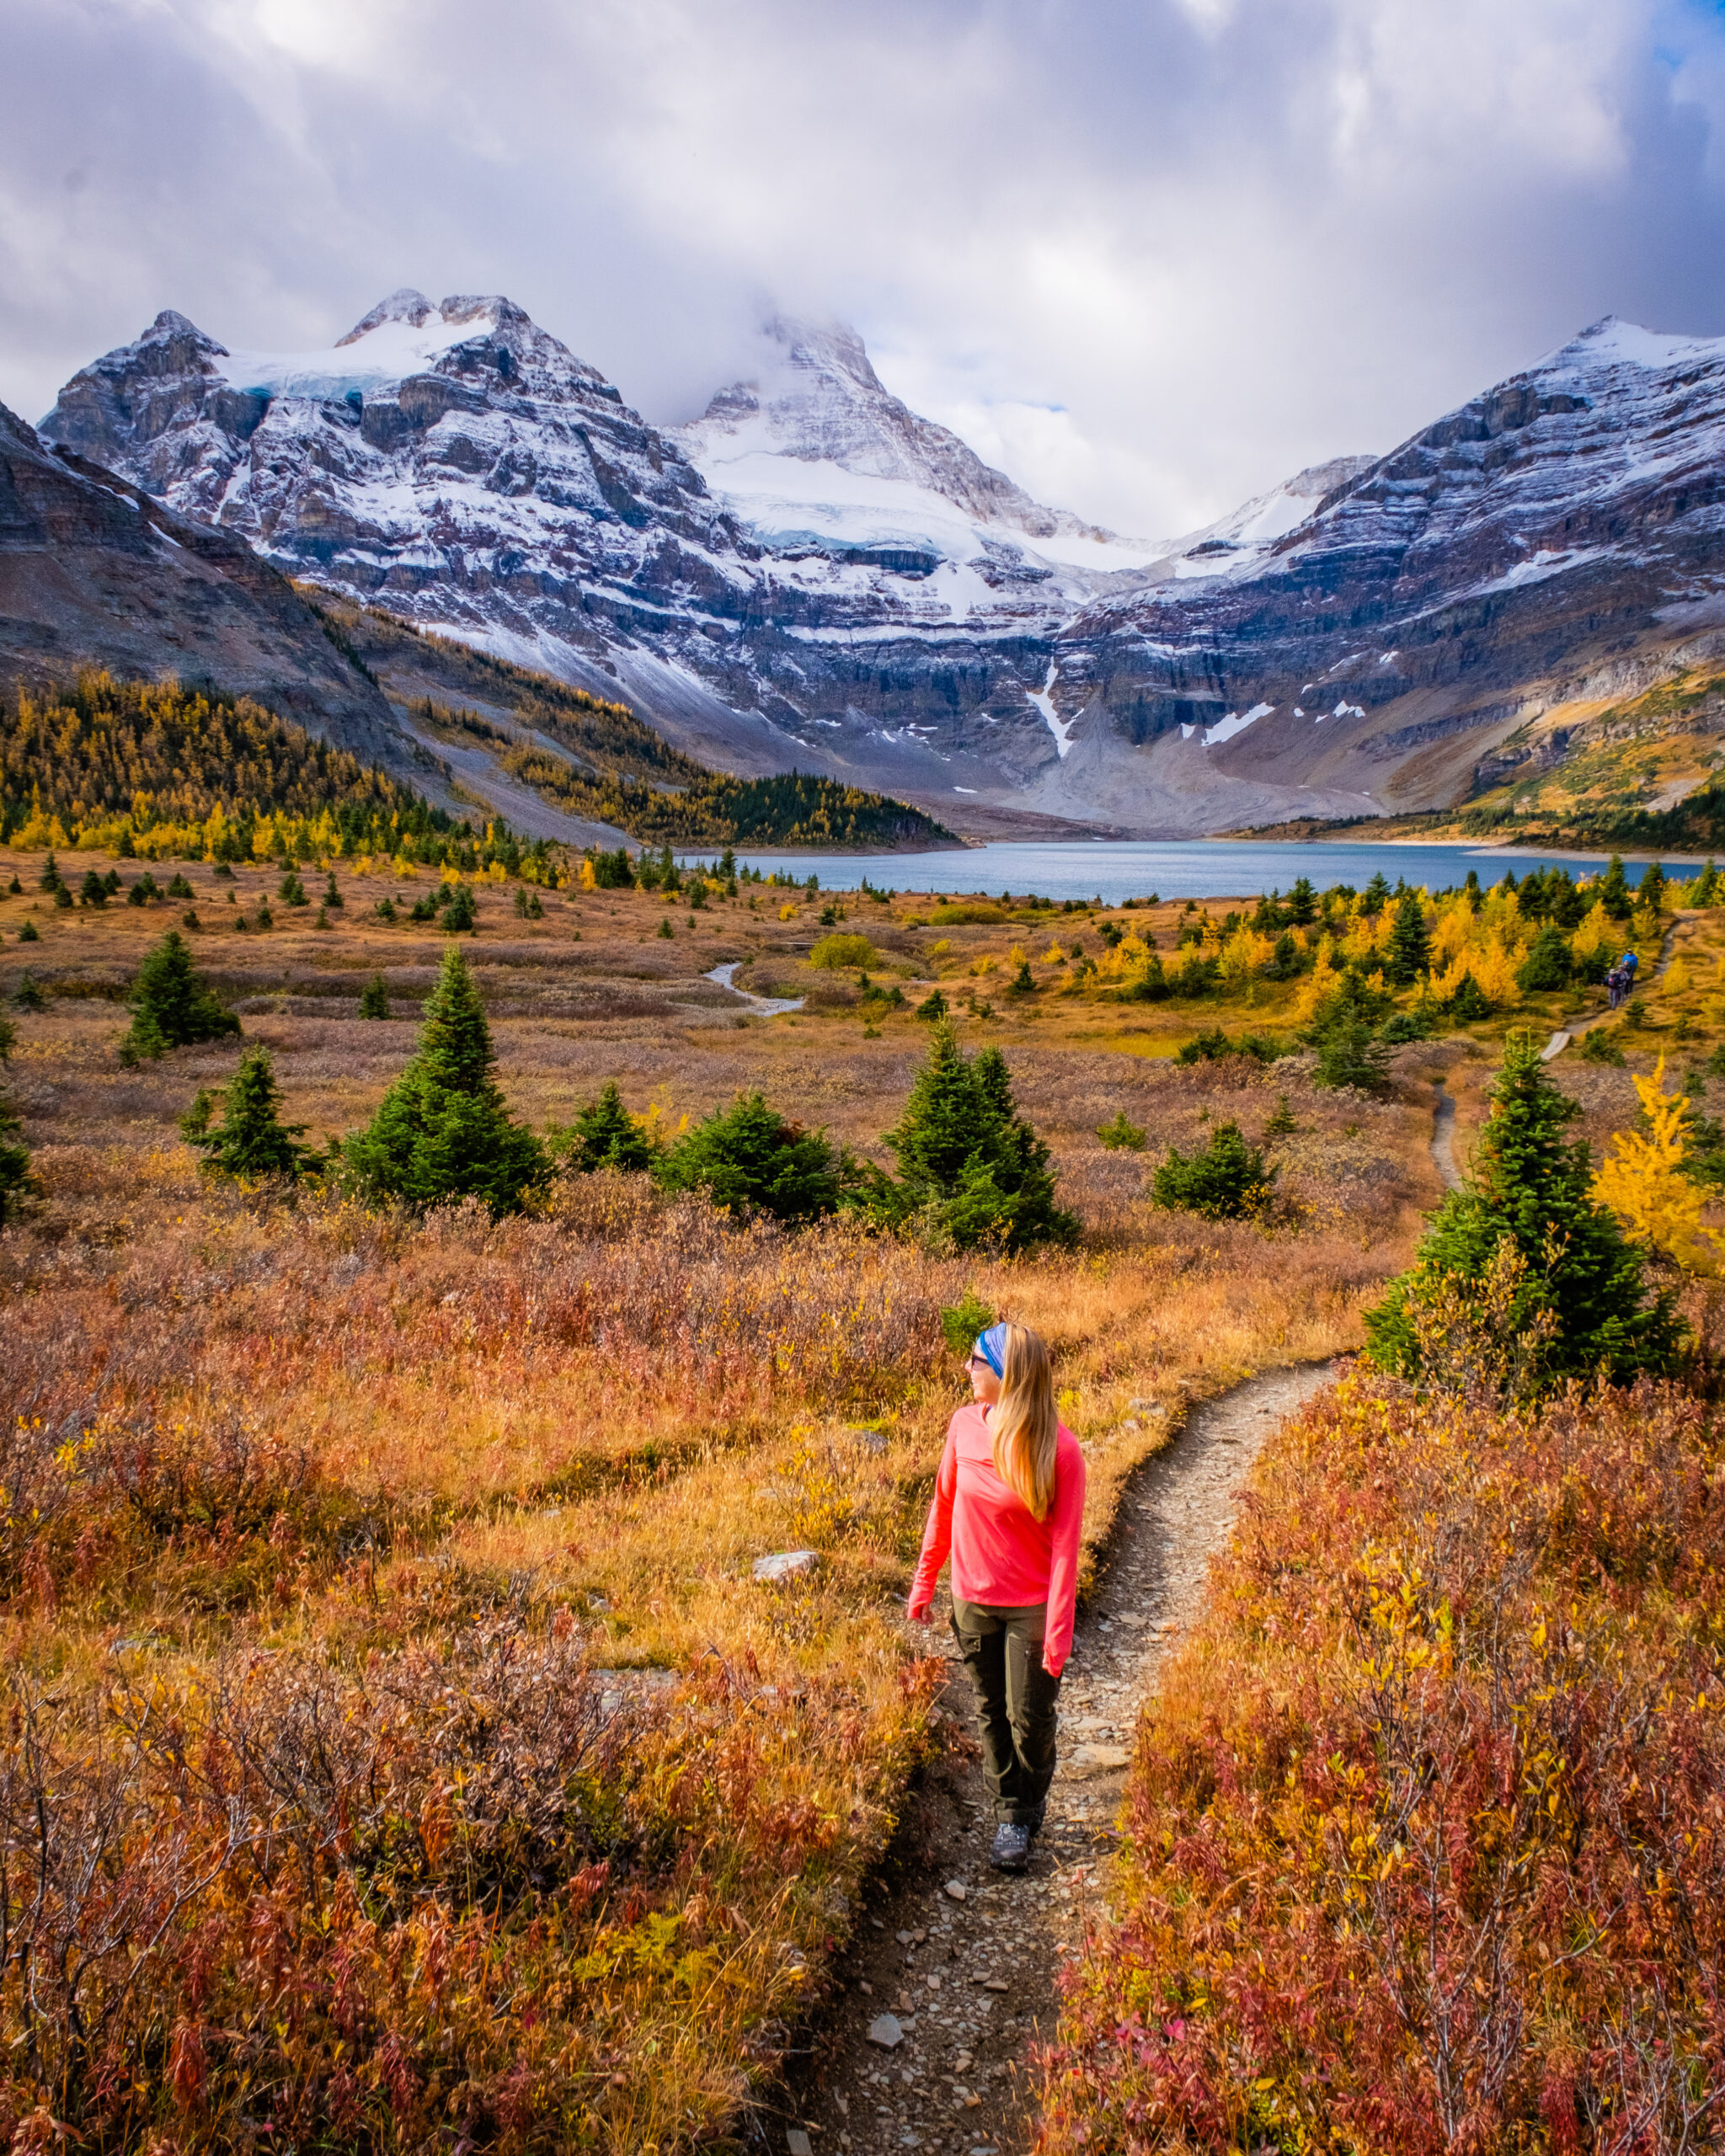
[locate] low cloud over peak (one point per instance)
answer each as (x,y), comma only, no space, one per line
(1147,256)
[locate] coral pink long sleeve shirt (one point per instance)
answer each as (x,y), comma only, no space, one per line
(1001,1554)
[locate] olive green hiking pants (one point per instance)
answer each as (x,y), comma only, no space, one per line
(1015,1700)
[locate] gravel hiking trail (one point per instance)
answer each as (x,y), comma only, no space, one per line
(1566,1036)
(1444,1137)
(964,1961)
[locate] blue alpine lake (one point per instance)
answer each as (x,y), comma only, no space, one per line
(1112,870)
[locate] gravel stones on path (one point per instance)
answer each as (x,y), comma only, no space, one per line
(969,1979)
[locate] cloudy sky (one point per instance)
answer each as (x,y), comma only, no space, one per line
(1149,255)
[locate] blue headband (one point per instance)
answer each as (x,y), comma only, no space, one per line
(991,1346)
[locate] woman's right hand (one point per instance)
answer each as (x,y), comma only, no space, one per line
(924,1615)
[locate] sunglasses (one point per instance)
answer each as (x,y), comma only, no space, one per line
(978,1362)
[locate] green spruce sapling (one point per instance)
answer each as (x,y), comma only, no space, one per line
(443,1131)
(251,1141)
(749,1160)
(1122,1135)
(1229,1180)
(1573,1298)
(604,1134)
(171,1004)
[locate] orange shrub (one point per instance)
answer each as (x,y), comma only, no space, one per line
(1426,1839)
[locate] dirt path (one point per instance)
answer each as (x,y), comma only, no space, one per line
(1443,1136)
(1564,1037)
(965,1962)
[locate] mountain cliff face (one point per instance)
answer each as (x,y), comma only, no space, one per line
(811,574)
(453,463)
(1568,523)
(94,571)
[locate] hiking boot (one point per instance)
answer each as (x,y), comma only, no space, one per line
(1011,1847)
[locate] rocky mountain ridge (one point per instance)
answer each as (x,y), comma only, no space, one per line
(95,572)
(1562,532)
(811,575)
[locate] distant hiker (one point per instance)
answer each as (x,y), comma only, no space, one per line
(1614,985)
(1007,1504)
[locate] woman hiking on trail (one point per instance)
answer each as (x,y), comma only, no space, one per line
(1008,1503)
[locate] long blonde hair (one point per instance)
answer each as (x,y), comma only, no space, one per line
(1023,1423)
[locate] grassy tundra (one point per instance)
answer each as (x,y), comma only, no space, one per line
(398,1747)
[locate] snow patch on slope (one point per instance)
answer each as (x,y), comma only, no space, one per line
(1044,699)
(367,361)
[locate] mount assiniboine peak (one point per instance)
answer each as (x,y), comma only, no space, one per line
(811,574)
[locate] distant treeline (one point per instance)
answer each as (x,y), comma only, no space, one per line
(1695,826)
(703,807)
(619,769)
(146,768)
(794,809)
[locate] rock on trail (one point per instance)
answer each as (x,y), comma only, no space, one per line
(970,1980)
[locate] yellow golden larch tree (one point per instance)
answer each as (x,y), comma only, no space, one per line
(1642,1180)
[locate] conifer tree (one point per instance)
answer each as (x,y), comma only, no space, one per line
(14,1163)
(30,994)
(1228,1180)
(968,1158)
(606,1135)
(171,1004)
(945,1121)
(1410,949)
(1468,1004)
(374,998)
(460,916)
(443,1131)
(1548,962)
(1349,1053)
(1613,891)
(748,1158)
(1577,1287)
(251,1140)
(14,1156)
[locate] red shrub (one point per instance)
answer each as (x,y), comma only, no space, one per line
(1428,1832)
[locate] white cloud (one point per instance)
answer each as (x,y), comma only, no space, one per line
(1148,255)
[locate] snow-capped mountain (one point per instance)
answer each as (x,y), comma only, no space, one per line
(1566,526)
(811,574)
(816,455)
(453,462)
(1243,540)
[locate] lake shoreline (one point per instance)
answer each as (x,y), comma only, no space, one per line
(1212,870)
